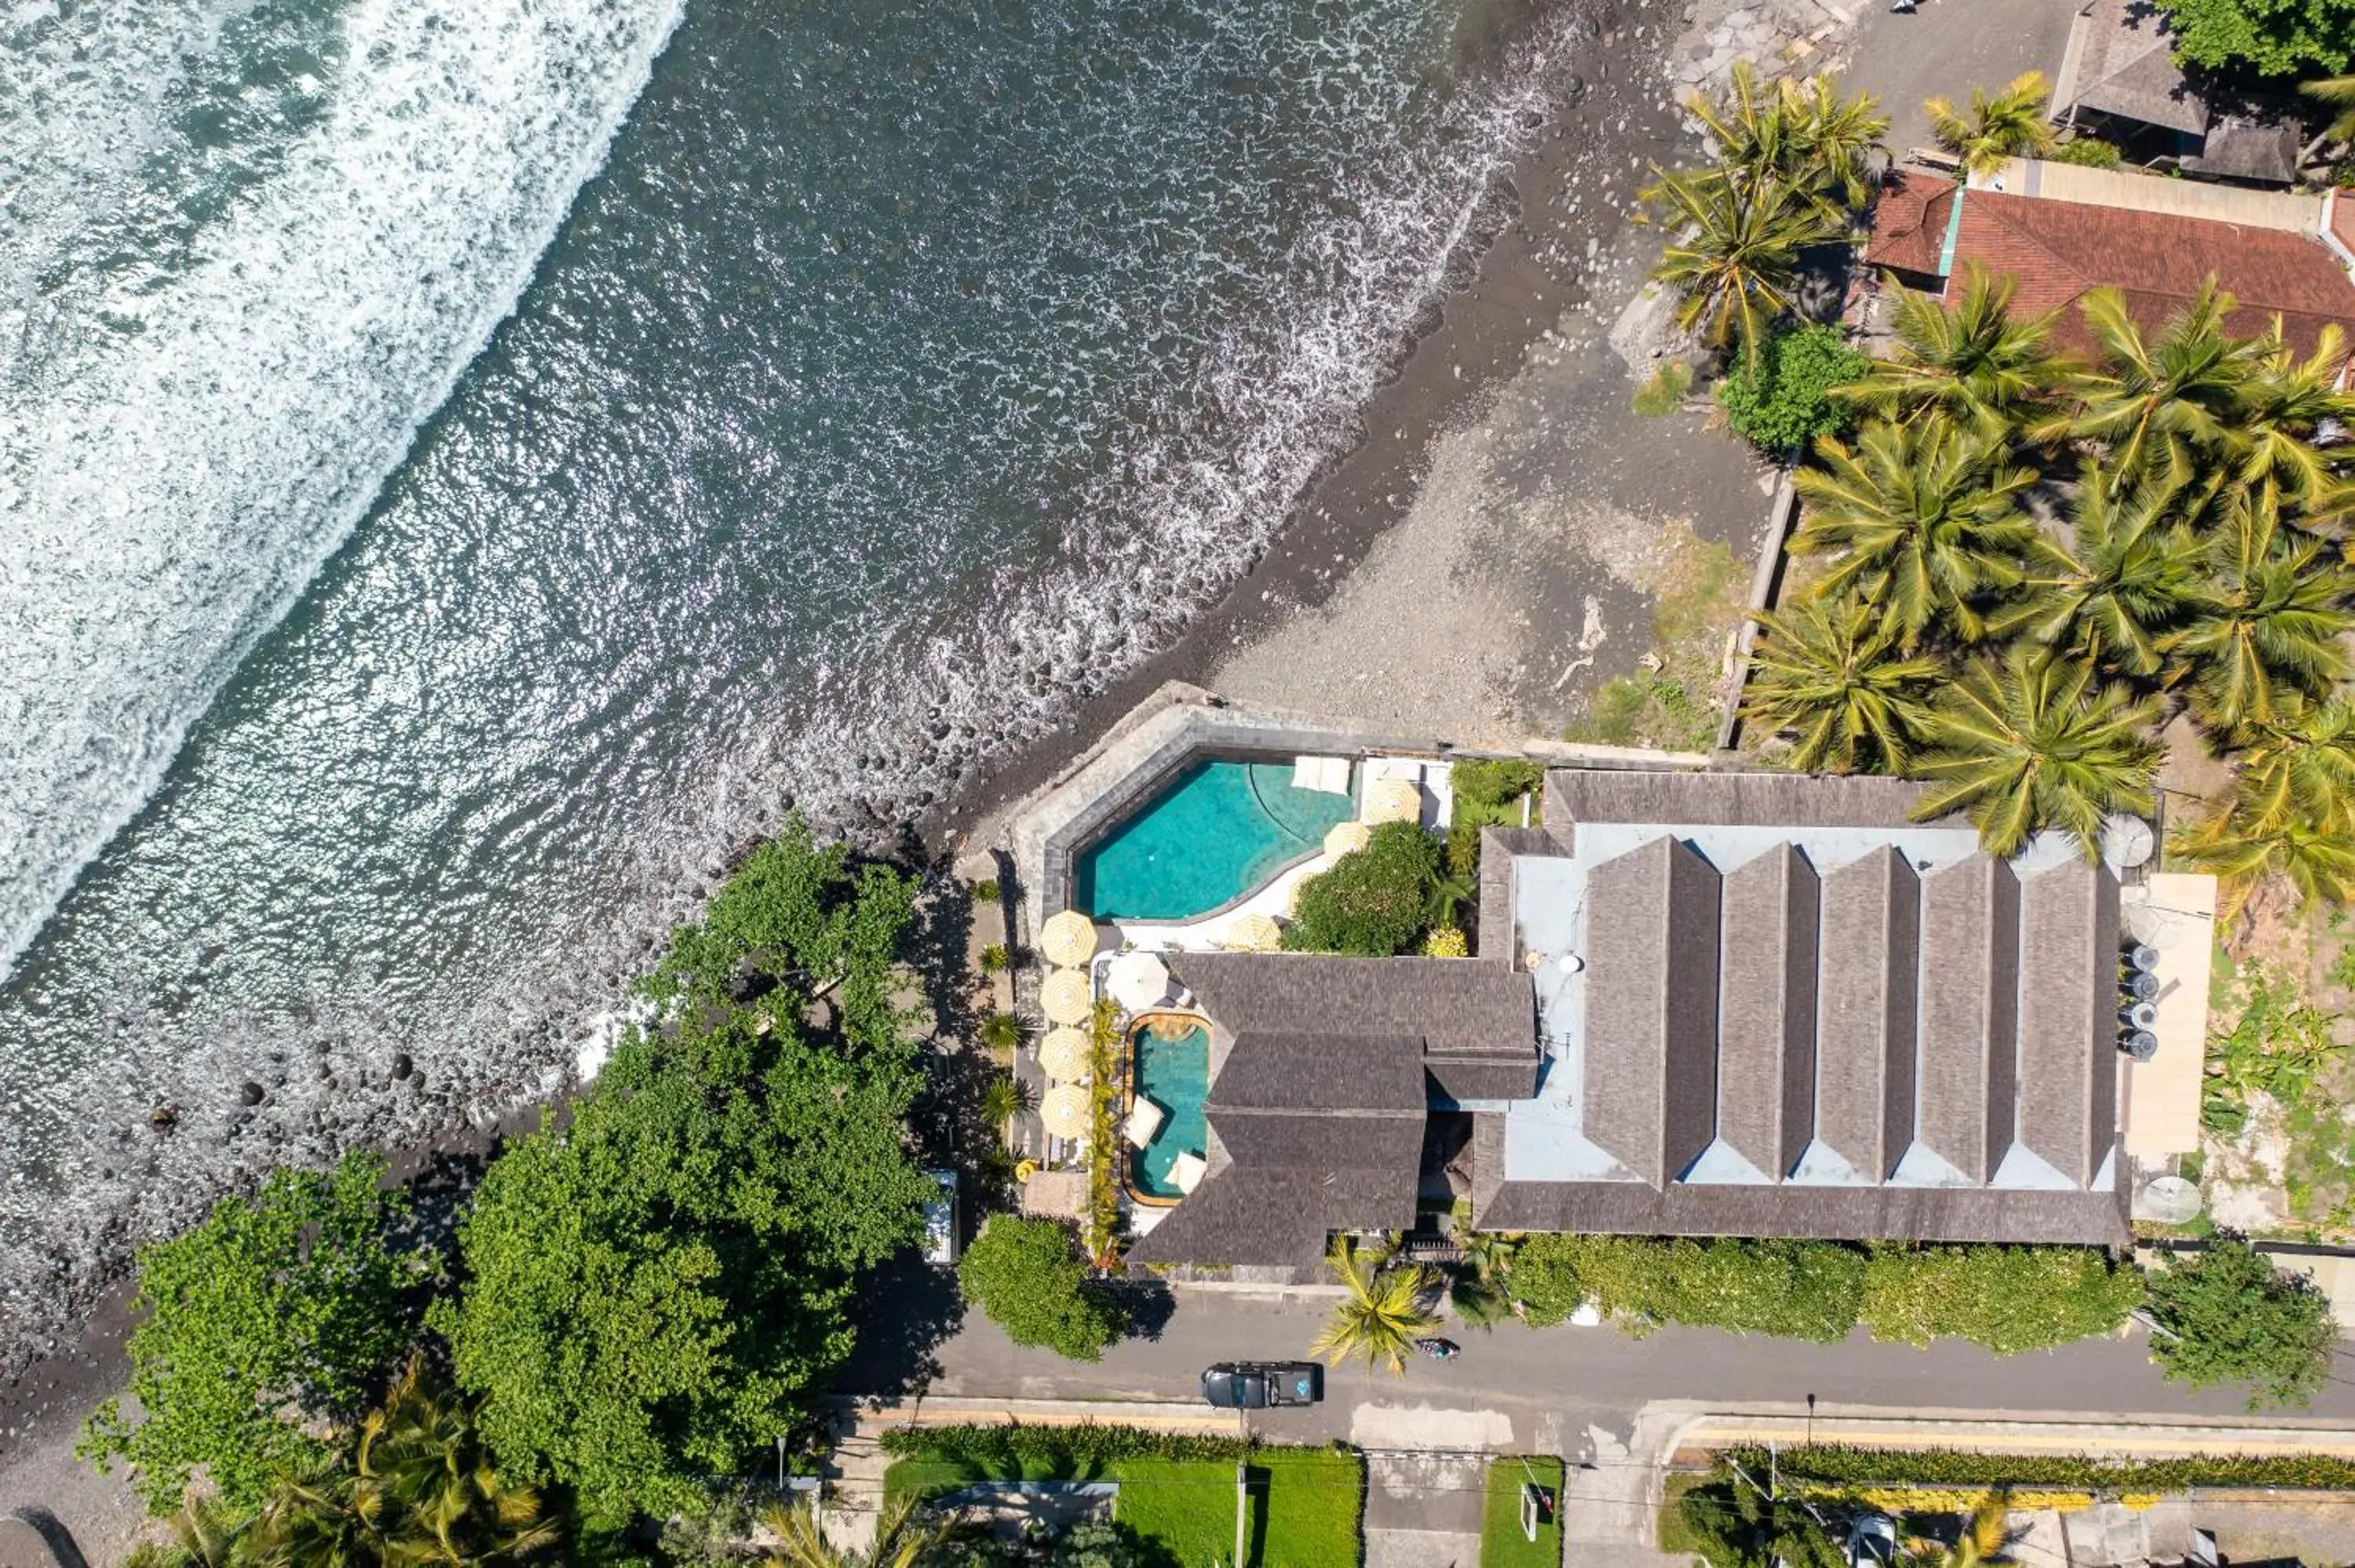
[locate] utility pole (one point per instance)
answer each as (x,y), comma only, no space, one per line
(1242,1483)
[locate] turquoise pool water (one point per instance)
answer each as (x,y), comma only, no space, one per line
(1174,1074)
(1216,834)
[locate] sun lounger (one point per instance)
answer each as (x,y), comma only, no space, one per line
(1186,1173)
(1329,775)
(1144,1121)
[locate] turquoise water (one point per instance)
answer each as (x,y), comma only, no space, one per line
(1220,831)
(1176,1075)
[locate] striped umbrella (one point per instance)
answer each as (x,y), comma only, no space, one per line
(1066,998)
(1063,1055)
(1255,934)
(1069,940)
(1064,1111)
(1347,838)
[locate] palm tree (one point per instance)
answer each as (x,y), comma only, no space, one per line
(905,1536)
(1735,255)
(1478,1286)
(1830,669)
(1923,519)
(2188,382)
(1807,136)
(1384,1312)
(2282,403)
(1970,361)
(1983,1539)
(2336,90)
(1003,1098)
(205,1534)
(2038,742)
(2128,576)
(2006,125)
(2299,766)
(318,1519)
(2240,851)
(2271,624)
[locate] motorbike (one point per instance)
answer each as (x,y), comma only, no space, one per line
(1437,1350)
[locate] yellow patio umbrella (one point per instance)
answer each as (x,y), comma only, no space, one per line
(1347,838)
(1066,998)
(1394,800)
(1255,934)
(1064,1111)
(1063,1055)
(1069,940)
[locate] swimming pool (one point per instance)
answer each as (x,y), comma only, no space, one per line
(1217,833)
(1170,1064)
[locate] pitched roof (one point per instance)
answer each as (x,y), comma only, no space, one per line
(1651,1009)
(2249,147)
(1575,795)
(2124,65)
(1766,1014)
(2058,250)
(1909,220)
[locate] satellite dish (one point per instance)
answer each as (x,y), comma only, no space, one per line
(2127,841)
(2169,1199)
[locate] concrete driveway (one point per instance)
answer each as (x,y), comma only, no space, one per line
(1947,48)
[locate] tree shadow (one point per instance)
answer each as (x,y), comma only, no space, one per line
(54,1535)
(909,1309)
(1147,1304)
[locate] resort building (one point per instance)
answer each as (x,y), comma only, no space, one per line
(1702,1002)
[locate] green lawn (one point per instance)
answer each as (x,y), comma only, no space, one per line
(1502,1545)
(1305,1504)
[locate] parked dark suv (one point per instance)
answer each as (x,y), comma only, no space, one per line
(1256,1386)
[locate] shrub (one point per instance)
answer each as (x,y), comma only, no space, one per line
(995,960)
(1013,1447)
(1373,902)
(1486,790)
(289,1303)
(1001,1031)
(1803,1290)
(2009,1299)
(985,890)
(2088,152)
(2227,1315)
(1446,942)
(1783,404)
(1028,1276)
(1977,1471)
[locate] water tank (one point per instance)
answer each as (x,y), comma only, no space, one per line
(2143,958)
(2143,988)
(2141,1015)
(2142,1045)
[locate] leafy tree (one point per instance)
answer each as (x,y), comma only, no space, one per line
(1830,669)
(2226,1314)
(1386,1308)
(1028,1276)
(2036,742)
(1969,361)
(1733,259)
(2128,576)
(1738,1524)
(1373,901)
(1923,519)
(1783,402)
(290,1303)
(2271,37)
(663,1285)
(2001,125)
(2009,1299)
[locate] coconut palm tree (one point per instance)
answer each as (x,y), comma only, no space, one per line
(2241,852)
(205,1534)
(2190,381)
(1831,668)
(1004,1097)
(1734,257)
(2269,624)
(2300,767)
(2127,577)
(906,1536)
(1920,519)
(1835,138)
(2269,442)
(1478,1286)
(2336,90)
(1385,1311)
(1969,361)
(1984,1536)
(2037,742)
(2006,125)
(318,1519)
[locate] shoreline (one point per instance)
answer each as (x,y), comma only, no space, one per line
(1529,321)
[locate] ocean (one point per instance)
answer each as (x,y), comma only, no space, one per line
(469,467)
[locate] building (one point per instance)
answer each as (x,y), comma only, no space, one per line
(2119,81)
(1706,1004)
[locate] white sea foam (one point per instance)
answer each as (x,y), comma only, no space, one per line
(216,343)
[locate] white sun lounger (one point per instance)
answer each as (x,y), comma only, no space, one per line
(1328,775)
(1186,1173)
(1144,1121)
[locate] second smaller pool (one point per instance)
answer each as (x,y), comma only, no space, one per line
(1171,1065)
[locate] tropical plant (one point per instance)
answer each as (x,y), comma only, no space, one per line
(1027,1275)
(2128,576)
(2001,125)
(986,890)
(1386,1309)
(1001,1031)
(1733,259)
(1004,1097)
(2285,400)
(1805,134)
(2267,629)
(1970,361)
(1784,402)
(1373,901)
(2088,152)
(2340,91)
(1740,1525)
(1479,1285)
(995,959)
(1830,670)
(1922,520)
(2299,766)
(663,1285)
(290,1304)
(2271,37)
(206,1533)
(1982,1539)
(907,1535)
(2225,1314)
(2187,383)
(2240,845)
(2038,742)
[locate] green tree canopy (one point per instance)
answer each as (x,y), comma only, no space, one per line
(660,1288)
(2227,1315)
(1028,1275)
(2271,37)
(1784,402)
(1373,902)
(291,1303)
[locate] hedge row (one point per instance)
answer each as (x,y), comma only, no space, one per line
(1036,1450)
(2009,1299)
(1953,1468)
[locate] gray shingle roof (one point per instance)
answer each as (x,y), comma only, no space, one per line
(2127,68)
(1718,798)
(2068,1034)
(1837,1214)
(1864,1041)
(1651,1008)
(1970,1012)
(1767,1011)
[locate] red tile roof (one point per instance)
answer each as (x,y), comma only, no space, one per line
(1909,222)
